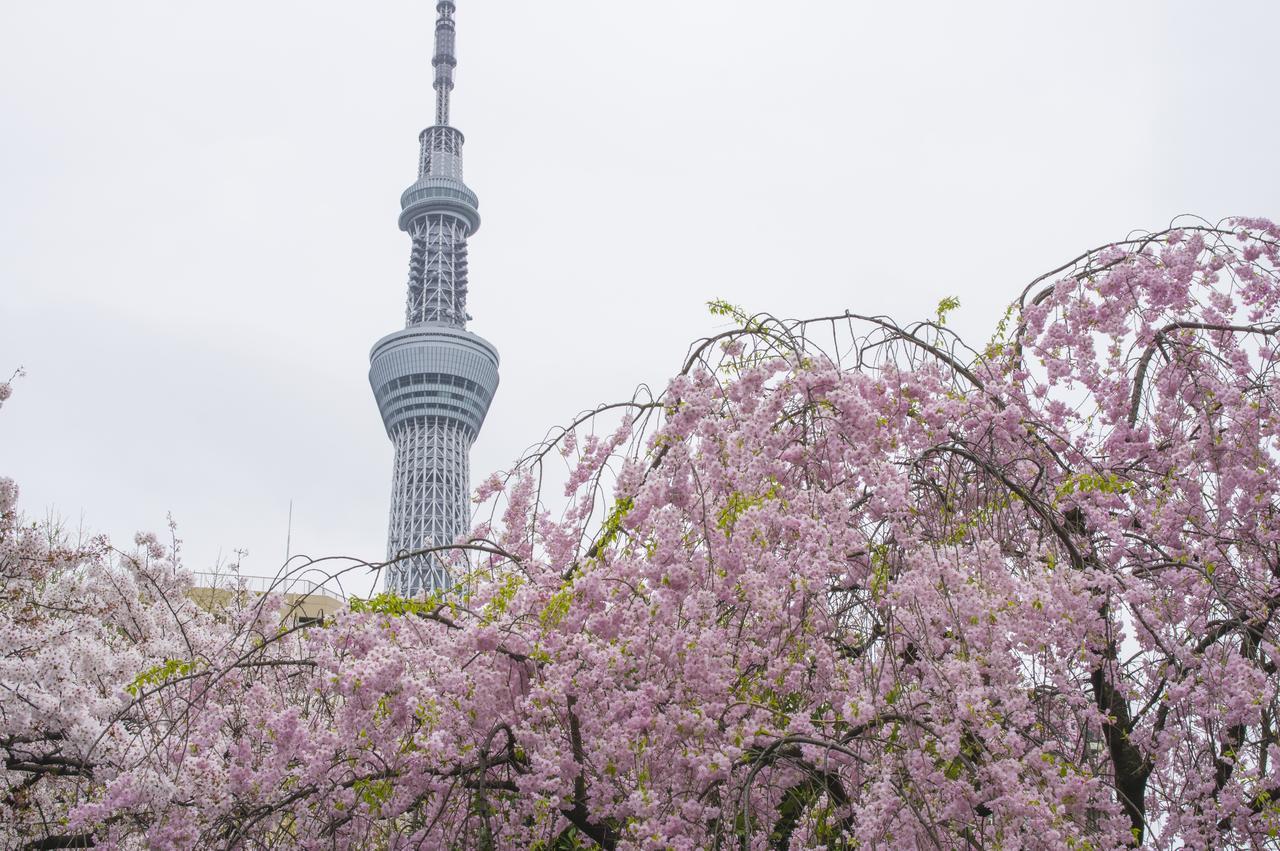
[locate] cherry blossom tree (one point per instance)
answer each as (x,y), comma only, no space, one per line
(843,583)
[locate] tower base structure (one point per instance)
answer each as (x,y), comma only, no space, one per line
(433,384)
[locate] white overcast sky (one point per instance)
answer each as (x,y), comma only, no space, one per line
(198,203)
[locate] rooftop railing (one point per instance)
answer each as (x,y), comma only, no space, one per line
(265,584)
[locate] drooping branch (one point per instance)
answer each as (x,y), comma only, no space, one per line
(1140,374)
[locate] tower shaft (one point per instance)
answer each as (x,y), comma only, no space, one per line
(434,380)
(429,491)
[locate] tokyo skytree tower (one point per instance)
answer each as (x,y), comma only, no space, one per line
(434,380)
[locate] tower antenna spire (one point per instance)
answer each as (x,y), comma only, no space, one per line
(443,61)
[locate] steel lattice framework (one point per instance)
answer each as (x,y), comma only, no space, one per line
(434,380)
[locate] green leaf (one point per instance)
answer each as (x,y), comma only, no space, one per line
(945,306)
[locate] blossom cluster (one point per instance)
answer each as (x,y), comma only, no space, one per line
(879,591)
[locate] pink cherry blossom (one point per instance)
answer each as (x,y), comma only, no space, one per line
(845,583)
